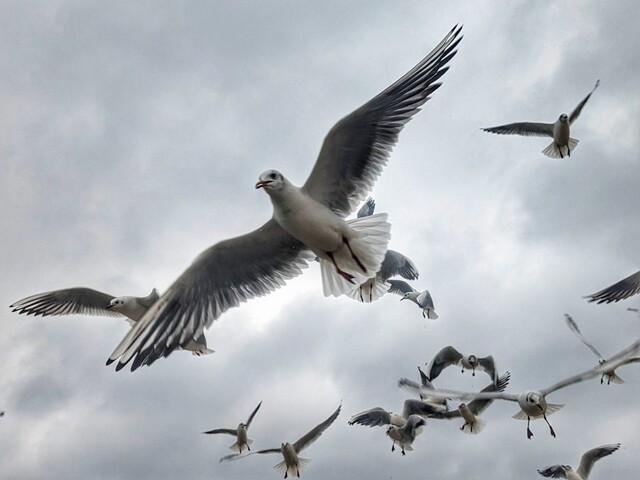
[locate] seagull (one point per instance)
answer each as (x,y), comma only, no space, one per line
(307,218)
(240,433)
(625,288)
(586,464)
(394,263)
(611,375)
(405,435)
(559,131)
(533,403)
(469,412)
(422,299)
(86,301)
(431,398)
(378,417)
(292,464)
(634,310)
(449,356)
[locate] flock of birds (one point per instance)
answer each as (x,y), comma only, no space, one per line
(308,223)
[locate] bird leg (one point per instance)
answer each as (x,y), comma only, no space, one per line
(347,276)
(346,242)
(529,432)
(403,451)
(553,433)
(393,446)
(361,298)
(424,315)
(602,379)
(473,371)
(297,472)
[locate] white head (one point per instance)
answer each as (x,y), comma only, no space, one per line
(563,118)
(271,180)
(118,304)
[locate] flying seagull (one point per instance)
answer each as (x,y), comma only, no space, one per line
(586,464)
(559,131)
(422,299)
(533,403)
(307,218)
(407,433)
(240,433)
(394,263)
(378,417)
(292,463)
(611,375)
(86,301)
(625,288)
(449,356)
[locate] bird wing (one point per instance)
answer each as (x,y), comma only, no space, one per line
(424,409)
(593,455)
(488,365)
(227,431)
(367,209)
(400,287)
(417,389)
(576,111)
(357,147)
(625,288)
(425,300)
(253,414)
(238,456)
(229,272)
(374,417)
(395,263)
(527,129)
(555,471)
(424,379)
(573,326)
(69,301)
(444,358)
(614,362)
(313,435)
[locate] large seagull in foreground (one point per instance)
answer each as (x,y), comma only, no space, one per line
(560,130)
(305,218)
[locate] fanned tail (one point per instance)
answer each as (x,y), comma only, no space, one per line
(236,447)
(474,427)
(369,291)
(292,470)
(554,151)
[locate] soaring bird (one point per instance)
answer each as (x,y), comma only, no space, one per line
(86,301)
(422,299)
(533,403)
(449,356)
(240,433)
(625,288)
(586,464)
(292,463)
(611,375)
(305,218)
(559,131)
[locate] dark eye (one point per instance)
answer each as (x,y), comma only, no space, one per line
(273,176)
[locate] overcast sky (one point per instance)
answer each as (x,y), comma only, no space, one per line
(131,138)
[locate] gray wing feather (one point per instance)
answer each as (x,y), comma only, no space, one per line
(418,407)
(357,147)
(367,209)
(375,417)
(488,365)
(625,288)
(69,301)
(416,388)
(253,414)
(395,263)
(573,326)
(400,287)
(238,456)
(590,457)
(527,129)
(444,358)
(313,435)
(229,272)
(479,405)
(227,431)
(425,300)
(576,111)
(555,471)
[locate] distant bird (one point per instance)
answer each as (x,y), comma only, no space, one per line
(611,375)
(533,403)
(586,464)
(625,288)
(292,463)
(394,263)
(307,218)
(470,412)
(635,310)
(559,131)
(2,413)
(86,301)
(449,356)
(240,433)
(378,417)
(405,435)
(422,299)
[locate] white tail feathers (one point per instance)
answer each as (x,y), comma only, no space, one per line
(236,447)
(613,378)
(292,470)
(555,151)
(369,291)
(369,245)
(202,351)
(430,313)
(474,427)
(551,408)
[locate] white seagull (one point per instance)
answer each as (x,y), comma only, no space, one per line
(307,218)
(240,433)
(86,301)
(533,403)
(292,463)
(625,288)
(394,263)
(449,356)
(586,464)
(405,435)
(422,299)
(611,375)
(559,131)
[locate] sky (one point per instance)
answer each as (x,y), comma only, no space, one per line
(131,138)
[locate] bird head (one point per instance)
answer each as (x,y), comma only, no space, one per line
(563,118)
(405,296)
(116,304)
(270,180)
(472,359)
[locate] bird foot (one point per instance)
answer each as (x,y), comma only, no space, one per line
(529,434)
(552,431)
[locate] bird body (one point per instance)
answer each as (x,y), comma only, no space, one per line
(472,424)
(241,432)
(407,433)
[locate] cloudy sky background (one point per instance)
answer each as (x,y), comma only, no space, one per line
(131,137)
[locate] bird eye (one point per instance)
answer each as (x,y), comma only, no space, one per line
(273,176)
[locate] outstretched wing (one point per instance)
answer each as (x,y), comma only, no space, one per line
(395,263)
(593,455)
(79,300)
(367,209)
(576,111)
(527,129)
(374,417)
(253,414)
(314,434)
(226,431)
(625,288)
(357,147)
(400,287)
(238,456)
(416,388)
(444,358)
(229,272)
(573,326)
(479,405)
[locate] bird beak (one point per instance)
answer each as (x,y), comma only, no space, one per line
(109,307)
(262,184)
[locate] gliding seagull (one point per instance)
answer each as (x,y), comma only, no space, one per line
(240,433)
(422,299)
(586,464)
(449,356)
